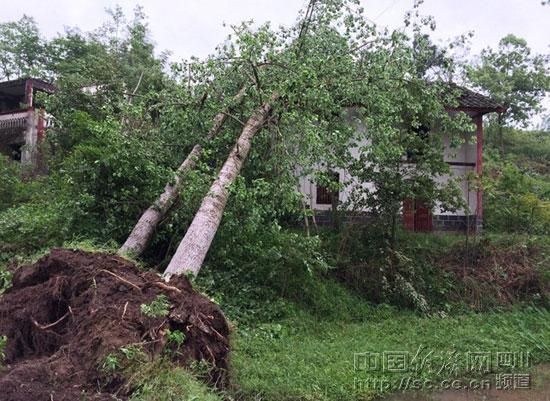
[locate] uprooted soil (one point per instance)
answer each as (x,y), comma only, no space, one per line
(67,312)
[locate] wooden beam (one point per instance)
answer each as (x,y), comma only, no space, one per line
(479,165)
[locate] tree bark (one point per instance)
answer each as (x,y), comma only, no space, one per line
(193,248)
(143,231)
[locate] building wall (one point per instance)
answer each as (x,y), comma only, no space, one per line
(15,132)
(462,161)
(12,131)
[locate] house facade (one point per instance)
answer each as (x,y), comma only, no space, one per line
(23,122)
(464,161)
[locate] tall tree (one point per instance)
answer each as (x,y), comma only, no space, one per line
(515,78)
(22,49)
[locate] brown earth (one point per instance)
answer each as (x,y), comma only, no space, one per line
(67,312)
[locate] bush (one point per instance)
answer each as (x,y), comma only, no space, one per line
(96,191)
(274,269)
(517,202)
(117,175)
(440,273)
(9,177)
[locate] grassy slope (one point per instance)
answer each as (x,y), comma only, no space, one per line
(307,359)
(310,354)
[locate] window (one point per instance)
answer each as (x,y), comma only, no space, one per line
(326,195)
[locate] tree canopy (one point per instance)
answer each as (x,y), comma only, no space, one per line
(514,77)
(125,118)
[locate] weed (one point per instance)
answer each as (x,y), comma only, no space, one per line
(3,342)
(133,352)
(159,307)
(175,337)
(200,368)
(110,364)
(5,279)
(162,381)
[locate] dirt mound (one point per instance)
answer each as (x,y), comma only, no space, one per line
(66,314)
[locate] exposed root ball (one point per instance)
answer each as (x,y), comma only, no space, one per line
(65,314)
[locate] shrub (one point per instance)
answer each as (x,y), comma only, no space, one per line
(517,202)
(404,274)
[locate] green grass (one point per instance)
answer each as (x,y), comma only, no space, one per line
(161,381)
(306,351)
(307,359)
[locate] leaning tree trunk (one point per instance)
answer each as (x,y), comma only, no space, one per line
(196,242)
(143,231)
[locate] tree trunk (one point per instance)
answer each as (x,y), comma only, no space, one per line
(143,231)
(195,244)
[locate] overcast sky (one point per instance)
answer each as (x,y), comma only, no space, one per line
(194,27)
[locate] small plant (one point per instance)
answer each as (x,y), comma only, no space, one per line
(5,280)
(3,342)
(175,337)
(121,359)
(132,352)
(200,368)
(159,307)
(110,364)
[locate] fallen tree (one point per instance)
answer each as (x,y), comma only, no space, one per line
(195,244)
(193,248)
(143,231)
(319,72)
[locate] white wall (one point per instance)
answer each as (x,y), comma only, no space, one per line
(465,153)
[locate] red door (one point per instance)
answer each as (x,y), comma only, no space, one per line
(422,218)
(417,216)
(408,214)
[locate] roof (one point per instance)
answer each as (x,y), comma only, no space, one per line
(17,87)
(473,101)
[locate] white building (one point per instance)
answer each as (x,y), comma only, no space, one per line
(463,161)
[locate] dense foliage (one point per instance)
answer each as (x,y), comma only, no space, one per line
(122,120)
(517,189)
(125,118)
